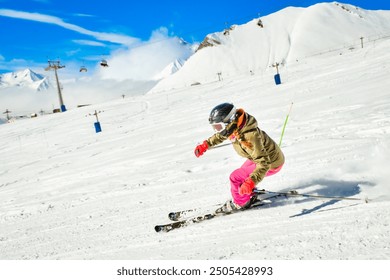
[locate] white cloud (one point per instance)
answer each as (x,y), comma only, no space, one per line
(148,59)
(26,101)
(89,43)
(83,15)
(103,36)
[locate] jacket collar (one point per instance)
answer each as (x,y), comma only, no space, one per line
(241,118)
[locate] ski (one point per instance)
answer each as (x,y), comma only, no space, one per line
(294,193)
(179,224)
(208,216)
(182,214)
(176,216)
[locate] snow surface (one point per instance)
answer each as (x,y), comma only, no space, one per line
(67,192)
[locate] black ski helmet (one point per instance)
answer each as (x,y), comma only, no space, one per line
(222,114)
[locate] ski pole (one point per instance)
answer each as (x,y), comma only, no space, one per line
(221,145)
(285,123)
(295,193)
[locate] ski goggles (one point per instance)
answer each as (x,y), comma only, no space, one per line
(218,127)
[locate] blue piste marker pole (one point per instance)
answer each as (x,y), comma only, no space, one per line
(98,128)
(277,79)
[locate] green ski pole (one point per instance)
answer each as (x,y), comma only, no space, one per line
(285,123)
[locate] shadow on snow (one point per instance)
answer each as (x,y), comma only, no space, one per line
(324,187)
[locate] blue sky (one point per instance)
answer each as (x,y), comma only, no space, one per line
(83,32)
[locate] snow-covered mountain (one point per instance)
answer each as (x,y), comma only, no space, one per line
(170,69)
(70,193)
(286,36)
(24,79)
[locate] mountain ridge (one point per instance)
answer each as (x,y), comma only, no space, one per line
(26,78)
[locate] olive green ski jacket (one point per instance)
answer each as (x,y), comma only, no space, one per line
(252,143)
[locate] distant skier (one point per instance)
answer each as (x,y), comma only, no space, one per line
(264,157)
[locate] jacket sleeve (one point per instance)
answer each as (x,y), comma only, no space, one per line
(260,156)
(216,139)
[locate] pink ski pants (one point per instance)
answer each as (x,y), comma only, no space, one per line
(238,176)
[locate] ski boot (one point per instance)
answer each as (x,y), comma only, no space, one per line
(228,207)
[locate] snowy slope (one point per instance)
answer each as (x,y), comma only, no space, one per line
(285,36)
(69,193)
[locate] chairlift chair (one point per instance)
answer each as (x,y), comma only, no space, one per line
(103,63)
(83,69)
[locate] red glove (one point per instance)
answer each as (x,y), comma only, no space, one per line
(200,149)
(246,187)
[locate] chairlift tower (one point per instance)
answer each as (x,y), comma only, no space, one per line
(55,65)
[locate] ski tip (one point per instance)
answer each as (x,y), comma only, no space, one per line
(173,216)
(158,228)
(163,228)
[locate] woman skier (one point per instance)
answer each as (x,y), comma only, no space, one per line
(264,157)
